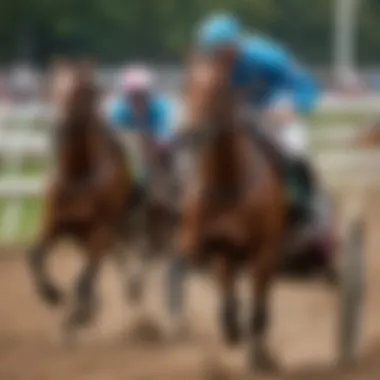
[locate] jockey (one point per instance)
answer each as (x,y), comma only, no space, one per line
(272,84)
(141,110)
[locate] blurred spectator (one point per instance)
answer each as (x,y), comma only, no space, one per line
(375,80)
(24,82)
(349,83)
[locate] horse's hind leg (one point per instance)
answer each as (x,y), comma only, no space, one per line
(137,275)
(44,285)
(85,298)
(132,274)
(259,355)
(84,303)
(229,317)
(175,284)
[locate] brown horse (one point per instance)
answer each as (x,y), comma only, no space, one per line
(90,193)
(233,209)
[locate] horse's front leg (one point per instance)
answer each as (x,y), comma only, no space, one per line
(133,274)
(134,268)
(84,306)
(139,266)
(187,246)
(229,310)
(46,288)
(37,256)
(175,293)
(259,355)
(178,272)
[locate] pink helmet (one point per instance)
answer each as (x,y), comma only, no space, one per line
(137,79)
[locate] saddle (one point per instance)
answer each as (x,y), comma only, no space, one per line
(297,176)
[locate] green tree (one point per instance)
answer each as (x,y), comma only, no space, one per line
(117,30)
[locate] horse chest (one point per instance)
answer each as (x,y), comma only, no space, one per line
(225,197)
(224,220)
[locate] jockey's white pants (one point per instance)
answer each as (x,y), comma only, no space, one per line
(293,139)
(291,135)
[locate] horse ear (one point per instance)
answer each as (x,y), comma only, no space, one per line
(86,68)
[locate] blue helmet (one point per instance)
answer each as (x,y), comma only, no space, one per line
(218,30)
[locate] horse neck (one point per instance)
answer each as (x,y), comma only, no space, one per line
(77,152)
(222,164)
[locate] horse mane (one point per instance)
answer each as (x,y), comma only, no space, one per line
(210,94)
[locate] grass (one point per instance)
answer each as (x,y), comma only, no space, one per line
(30,218)
(30,168)
(349,119)
(29,209)
(29,221)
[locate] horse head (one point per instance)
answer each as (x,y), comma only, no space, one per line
(74,92)
(209,99)
(75,97)
(211,117)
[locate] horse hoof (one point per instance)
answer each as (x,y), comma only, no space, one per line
(213,369)
(134,292)
(82,315)
(261,360)
(145,331)
(51,294)
(178,334)
(332,277)
(232,336)
(69,337)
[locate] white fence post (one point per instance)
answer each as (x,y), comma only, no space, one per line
(10,220)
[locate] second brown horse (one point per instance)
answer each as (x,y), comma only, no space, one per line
(89,195)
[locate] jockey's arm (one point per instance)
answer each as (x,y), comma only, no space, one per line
(290,93)
(287,89)
(295,95)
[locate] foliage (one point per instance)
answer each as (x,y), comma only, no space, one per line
(114,30)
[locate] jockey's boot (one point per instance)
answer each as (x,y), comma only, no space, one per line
(297,172)
(302,179)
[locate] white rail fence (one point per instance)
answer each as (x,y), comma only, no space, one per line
(25,136)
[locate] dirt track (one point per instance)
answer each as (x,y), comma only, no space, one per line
(303,334)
